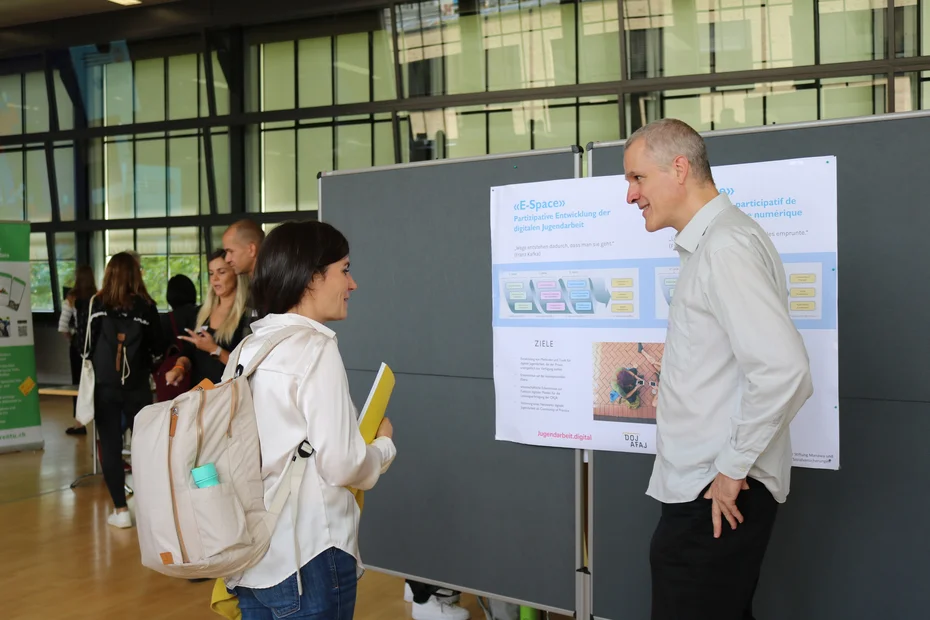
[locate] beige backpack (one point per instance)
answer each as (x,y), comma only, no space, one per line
(215,531)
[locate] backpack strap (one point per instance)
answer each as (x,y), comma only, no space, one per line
(90,314)
(290,488)
(266,348)
(293,476)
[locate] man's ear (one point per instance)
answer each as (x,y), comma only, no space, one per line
(682,167)
(253,250)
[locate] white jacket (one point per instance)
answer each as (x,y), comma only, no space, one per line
(301,392)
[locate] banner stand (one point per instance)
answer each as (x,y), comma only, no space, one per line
(20,421)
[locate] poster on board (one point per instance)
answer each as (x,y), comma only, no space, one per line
(581,295)
(20,423)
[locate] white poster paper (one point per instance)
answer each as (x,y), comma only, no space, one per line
(581,294)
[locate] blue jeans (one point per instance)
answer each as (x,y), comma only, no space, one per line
(329,582)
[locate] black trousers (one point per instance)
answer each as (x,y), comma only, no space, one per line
(421,591)
(74,357)
(698,577)
(110,405)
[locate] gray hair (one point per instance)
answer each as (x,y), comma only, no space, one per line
(667,138)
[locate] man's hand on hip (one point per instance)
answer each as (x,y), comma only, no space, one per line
(722,493)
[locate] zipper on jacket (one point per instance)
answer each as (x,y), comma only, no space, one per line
(174,500)
(203,402)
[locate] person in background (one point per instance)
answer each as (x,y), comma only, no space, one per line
(125,340)
(735,372)
(433,603)
(181,295)
(221,325)
(301,282)
(242,241)
(73,324)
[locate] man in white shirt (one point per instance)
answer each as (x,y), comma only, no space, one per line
(734,374)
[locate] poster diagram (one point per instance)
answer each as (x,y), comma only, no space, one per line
(666,280)
(603,293)
(582,295)
(805,298)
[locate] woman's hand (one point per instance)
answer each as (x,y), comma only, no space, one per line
(386,429)
(174,376)
(200,339)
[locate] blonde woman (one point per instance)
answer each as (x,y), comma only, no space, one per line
(222,322)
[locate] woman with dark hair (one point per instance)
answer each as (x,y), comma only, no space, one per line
(125,338)
(221,324)
(73,323)
(302,281)
(181,295)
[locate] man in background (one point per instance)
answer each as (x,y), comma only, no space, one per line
(242,241)
(734,374)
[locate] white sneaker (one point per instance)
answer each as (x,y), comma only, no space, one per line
(444,595)
(434,609)
(120,519)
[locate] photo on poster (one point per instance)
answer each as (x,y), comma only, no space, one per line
(626,381)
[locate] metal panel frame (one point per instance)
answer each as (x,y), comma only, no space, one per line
(582,577)
(592,148)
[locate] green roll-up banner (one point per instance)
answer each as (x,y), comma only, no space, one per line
(20,422)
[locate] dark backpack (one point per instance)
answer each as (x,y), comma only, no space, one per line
(119,357)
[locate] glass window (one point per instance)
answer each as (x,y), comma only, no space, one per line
(11,104)
(118,95)
(119,180)
(554,123)
(65,255)
(509,128)
(314,155)
(278,75)
(221,174)
(761,104)
(183,86)
(36,103)
(667,38)
(150,90)
(598,41)
(150,179)
(183,176)
(119,241)
(279,171)
(315,77)
(912,91)
(152,246)
(185,256)
(64,174)
(503,45)
(64,103)
(38,200)
(220,88)
(352,69)
(40,274)
(851,30)
(12,187)
(353,146)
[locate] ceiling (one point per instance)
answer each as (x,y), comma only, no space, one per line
(18,12)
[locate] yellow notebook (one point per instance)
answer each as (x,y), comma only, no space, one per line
(376,405)
(373,413)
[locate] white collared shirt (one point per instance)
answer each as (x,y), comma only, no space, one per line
(735,370)
(301,392)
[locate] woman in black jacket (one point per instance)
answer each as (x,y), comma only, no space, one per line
(125,339)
